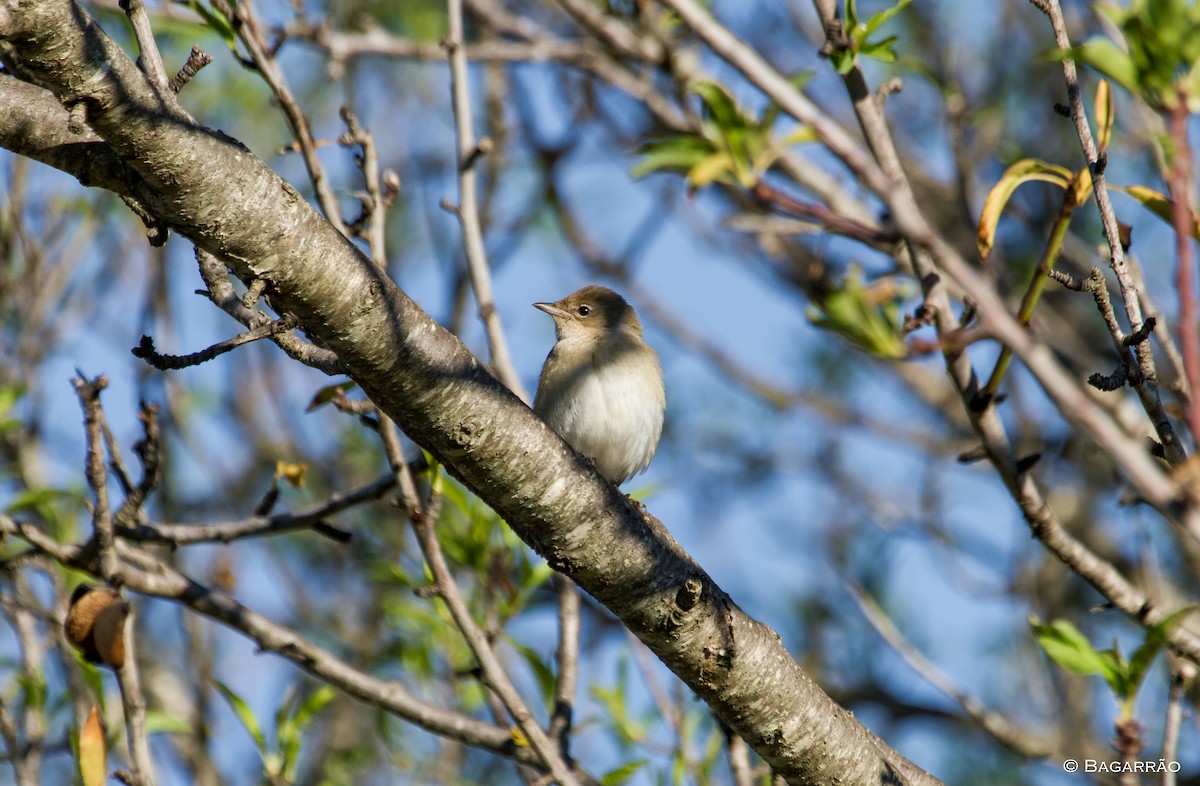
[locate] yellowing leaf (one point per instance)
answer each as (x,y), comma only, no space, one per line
(711,169)
(1023,171)
(1104,114)
(93,757)
(291,471)
(1158,204)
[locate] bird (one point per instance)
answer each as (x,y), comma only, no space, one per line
(601,388)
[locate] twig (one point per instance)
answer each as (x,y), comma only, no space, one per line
(197,59)
(1179,186)
(1147,381)
(1028,744)
(377,199)
(492,671)
(739,758)
(467,209)
(148,450)
(220,291)
(313,518)
(133,700)
(567,661)
(145,348)
(149,56)
(148,575)
(1181,672)
(246,23)
(102,522)
(833,222)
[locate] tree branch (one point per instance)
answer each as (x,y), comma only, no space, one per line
(232,206)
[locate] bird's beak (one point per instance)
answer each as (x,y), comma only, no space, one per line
(552,310)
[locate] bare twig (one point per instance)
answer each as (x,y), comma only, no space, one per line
(150,58)
(197,59)
(220,291)
(246,23)
(314,518)
(1181,674)
(567,661)
(1147,378)
(831,221)
(146,574)
(375,202)
(492,671)
(102,522)
(467,210)
(145,348)
(133,700)
(739,759)
(1026,743)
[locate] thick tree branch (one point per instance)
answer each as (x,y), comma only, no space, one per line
(231,205)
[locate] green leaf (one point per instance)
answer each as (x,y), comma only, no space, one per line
(1107,58)
(1070,649)
(541,670)
(159,722)
(623,773)
(244,714)
(35,498)
(217,22)
(719,105)
(878,19)
(842,60)
(867,317)
(718,166)
(676,153)
(1156,639)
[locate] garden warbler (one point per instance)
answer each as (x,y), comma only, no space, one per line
(601,388)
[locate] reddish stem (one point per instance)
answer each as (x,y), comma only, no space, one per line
(1179,180)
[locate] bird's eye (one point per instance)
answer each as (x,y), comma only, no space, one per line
(583,311)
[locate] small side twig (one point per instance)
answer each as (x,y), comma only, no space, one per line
(97,479)
(145,348)
(313,518)
(1144,378)
(788,205)
(263,58)
(379,194)
(197,59)
(148,450)
(220,291)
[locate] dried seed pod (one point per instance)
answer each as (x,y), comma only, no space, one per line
(87,603)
